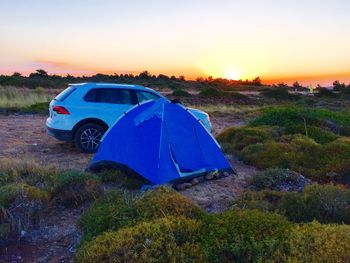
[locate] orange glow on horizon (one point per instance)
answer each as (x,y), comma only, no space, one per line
(216,71)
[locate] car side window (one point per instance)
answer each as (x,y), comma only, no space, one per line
(144,96)
(106,95)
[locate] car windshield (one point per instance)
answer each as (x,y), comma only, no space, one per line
(64,94)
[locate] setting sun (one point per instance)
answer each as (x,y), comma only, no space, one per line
(232,75)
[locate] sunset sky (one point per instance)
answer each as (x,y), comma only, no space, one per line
(277,40)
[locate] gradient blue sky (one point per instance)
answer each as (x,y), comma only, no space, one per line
(277,40)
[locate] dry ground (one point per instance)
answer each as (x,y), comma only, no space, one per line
(24,137)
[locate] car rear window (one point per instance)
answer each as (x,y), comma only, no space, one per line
(64,94)
(106,95)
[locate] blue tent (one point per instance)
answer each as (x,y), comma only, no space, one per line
(161,141)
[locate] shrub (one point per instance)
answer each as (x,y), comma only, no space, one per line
(323,163)
(266,201)
(29,172)
(236,139)
(325,203)
(118,209)
(21,206)
(305,121)
(75,187)
(40,107)
(268,155)
(237,95)
(323,92)
(164,201)
(244,236)
(210,92)
(163,240)
(278,93)
(278,179)
(181,93)
(123,179)
(314,242)
(109,213)
(9,193)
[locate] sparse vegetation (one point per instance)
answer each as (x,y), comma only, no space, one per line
(181,93)
(280,218)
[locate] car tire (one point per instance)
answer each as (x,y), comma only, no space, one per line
(87,138)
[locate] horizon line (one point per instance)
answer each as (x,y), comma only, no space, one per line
(312,79)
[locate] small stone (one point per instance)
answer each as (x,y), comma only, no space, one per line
(217,174)
(188,185)
(209,176)
(194,181)
(226,174)
(183,186)
(200,179)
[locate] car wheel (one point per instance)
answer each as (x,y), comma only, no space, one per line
(88,137)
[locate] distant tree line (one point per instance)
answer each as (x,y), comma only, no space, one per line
(41,78)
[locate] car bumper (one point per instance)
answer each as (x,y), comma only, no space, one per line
(62,135)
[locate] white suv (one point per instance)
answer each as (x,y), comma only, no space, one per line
(83,112)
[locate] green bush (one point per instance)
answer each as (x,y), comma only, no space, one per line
(314,242)
(163,240)
(278,93)
(108,213)
(322,163)
(268,155)
(210,92)
(236,139)
(164,201)
(323,92)
(325,203)
(305,121)
(181,93)
(213,92)
(41,107)
(244,236)
(278,179)
(118,209)
(72,188)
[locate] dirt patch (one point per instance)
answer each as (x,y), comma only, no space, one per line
(215,196)
(24,137)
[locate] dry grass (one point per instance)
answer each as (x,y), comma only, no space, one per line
(13,97)
(222,108)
